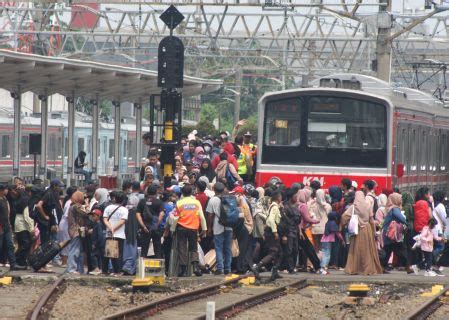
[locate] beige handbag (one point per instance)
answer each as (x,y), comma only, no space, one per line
(112,248)
(235,248)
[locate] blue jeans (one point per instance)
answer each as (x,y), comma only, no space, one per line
(7,246)
(438,247)
(326,248)
(223,251)
(75,259)
(129,257)
(87,175)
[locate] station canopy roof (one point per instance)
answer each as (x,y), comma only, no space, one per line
(49,75)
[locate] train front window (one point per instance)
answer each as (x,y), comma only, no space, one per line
(345,124)
(329,129)
(283,123)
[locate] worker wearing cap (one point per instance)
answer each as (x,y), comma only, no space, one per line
(250,149)
(190,219)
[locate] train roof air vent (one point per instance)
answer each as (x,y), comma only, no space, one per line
(330,83)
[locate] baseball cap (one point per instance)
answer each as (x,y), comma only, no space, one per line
(354,184)
(248,134)
(238,190)
(97,212)
(56,182)
(3,186)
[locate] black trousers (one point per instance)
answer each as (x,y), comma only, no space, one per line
(44,232)
(399,250)
(290,252)
(427,260)
(24,245)
(187,245)
(274,250)
(244,239)
(166,246)
(309,251)
(145,238)
(116,263)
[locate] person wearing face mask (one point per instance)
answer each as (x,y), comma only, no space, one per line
(208,148)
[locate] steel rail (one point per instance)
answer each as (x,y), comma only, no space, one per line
(428,308)
(171,301)
(38,308)
(247,303)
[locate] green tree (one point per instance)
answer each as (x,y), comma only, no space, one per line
(209,112)
(205,128)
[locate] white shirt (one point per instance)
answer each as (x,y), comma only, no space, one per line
(120,214)
(439,213)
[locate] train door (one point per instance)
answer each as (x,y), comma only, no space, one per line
(401,147)
(423,153)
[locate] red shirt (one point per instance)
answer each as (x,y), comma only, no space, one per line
(202,198)
(422,215)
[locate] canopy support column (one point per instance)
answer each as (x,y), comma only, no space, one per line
(17,96)
(44,134)
(95,130)
(117,122)
(70,138)
(138,108)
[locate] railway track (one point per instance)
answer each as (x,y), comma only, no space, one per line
(47,299)
(427,309)
(229,297)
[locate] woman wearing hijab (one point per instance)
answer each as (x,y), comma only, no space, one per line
(199,157)
(363,257)
(379,217)
(306,221)
(393,209)
(77,219)
(207,170)
(102,200)
(260,218)
(319,209)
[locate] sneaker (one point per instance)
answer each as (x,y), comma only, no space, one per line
(438,273)
(218,272)
(441,269)
(227,272)
(415,269)
(430,274)
(324,272)
(95,272)
(6,265)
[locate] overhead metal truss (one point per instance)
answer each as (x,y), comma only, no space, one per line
(308,38)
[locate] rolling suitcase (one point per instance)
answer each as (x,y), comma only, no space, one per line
(45,253)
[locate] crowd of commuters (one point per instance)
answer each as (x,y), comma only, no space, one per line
(211,208)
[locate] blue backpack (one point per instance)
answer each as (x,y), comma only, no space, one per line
(229,177)
(229,212)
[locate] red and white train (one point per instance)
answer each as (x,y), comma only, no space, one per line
(356,126)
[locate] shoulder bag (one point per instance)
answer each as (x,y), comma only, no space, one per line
(112,245)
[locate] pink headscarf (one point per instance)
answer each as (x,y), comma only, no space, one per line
(304,195)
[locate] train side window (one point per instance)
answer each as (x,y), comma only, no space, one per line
(124,148)
(414,151)
(5,146)
(131,151)
(24,144)
(402,147)
(81,144)
(423,151)
(111,148)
